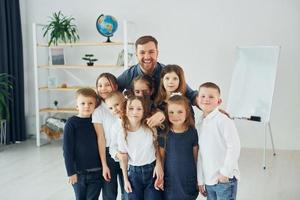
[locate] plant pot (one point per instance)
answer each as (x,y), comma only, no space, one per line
(90,64)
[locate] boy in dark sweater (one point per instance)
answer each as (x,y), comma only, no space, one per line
(80,148)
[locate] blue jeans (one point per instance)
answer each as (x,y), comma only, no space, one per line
(110,188)
(88,186)
(222,191)
(142,183)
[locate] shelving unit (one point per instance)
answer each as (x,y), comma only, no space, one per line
(42,71)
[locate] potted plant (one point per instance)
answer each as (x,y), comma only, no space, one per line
(90,59)
(61,28)
(5,86)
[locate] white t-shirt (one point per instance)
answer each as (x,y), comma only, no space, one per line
(219,148)
(139,146)
(103,116)
(116,129)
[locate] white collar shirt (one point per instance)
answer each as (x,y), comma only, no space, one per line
(219,148)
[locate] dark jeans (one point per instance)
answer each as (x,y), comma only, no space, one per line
(222,191)
(110,188)
(88,186)
(142,183)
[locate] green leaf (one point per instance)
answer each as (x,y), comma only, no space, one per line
(61,28)
(6,85)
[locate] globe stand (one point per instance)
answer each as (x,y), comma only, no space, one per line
(108,40)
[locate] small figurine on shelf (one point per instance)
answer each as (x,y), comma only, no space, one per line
(89,57)
(55,104)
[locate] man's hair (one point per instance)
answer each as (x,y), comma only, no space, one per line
(210,85)
(86,92)
(145,39)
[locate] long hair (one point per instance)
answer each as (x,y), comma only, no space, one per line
(189,120)
(112,81)
(162,93)
(125,120)
(181,100)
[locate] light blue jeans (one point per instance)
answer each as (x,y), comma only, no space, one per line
(222,191)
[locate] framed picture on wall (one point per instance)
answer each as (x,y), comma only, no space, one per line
(57,56)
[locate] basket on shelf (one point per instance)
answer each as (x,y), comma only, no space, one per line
(53,128)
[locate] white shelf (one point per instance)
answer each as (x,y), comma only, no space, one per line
(76,44)
(60,89)
(59,110)
(85,67)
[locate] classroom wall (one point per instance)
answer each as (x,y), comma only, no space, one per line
(201,36)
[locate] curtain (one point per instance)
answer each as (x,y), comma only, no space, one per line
(11,62)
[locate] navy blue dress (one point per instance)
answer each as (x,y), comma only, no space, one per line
(180,167)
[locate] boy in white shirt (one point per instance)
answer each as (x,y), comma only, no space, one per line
(219,147)
(114,102)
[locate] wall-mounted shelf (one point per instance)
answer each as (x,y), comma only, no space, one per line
(59,110)
(84,44)
(85,67)
(69,88)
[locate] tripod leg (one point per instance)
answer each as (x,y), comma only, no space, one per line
(265,146)
(271,135)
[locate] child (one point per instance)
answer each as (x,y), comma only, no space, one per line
(142,86)
(80,148)
(103,120)
(219,147)
(137,147)
(179,150)
(172,81)
(114,102)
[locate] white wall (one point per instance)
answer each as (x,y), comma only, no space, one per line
(201,36)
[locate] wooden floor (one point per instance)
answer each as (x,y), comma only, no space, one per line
(28,172)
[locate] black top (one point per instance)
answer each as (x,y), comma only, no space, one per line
(80,145)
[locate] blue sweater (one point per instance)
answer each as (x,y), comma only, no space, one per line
(80,145)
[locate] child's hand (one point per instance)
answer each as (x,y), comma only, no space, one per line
(73,179)
(106,173)
(202,190)
(159,184)
(158,171)
(127,186)
(156,119)
(223,179)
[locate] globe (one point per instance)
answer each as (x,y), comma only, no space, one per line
(107,26)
